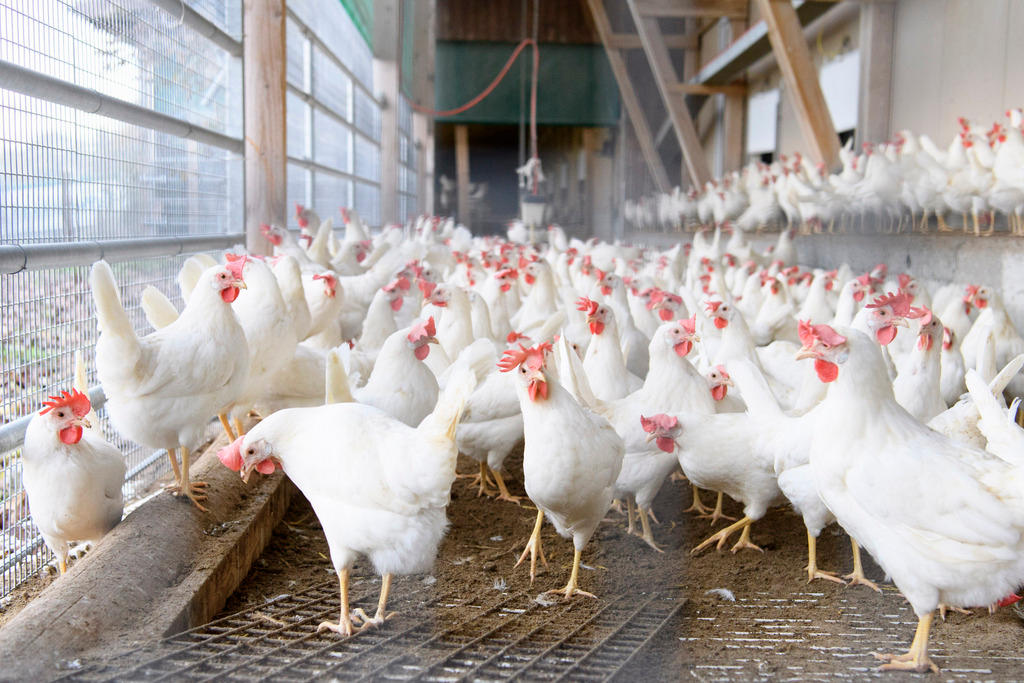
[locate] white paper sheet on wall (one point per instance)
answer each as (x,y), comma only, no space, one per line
(762,121)
(840,83)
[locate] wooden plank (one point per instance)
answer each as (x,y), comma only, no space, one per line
(686,88)
(424,61)
(733,119)
(665,75)
(629,98)
(462,171)
(801,78)
(692,8)
(673,41)
(263,57)
(877,26)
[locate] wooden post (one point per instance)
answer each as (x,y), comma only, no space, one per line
(733,120)
(801,78)
(266,154)
(462,171)
(629,99)
(423,58)
(665,77)
(877,23)
(386,37)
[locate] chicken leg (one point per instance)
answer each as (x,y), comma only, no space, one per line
(344,625)
(716,514)
(382,614)
(195,491)
(572,588)
(645,524)
(697,506)
(227,427)
(533,548)
(857,577)
(916,659)
(503,493)
(484,481)
(812,563)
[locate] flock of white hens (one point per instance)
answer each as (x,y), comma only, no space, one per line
(903,183)
(372,362)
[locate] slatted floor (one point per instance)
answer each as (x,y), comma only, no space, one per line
(486,636)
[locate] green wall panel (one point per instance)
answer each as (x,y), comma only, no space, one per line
(575,86)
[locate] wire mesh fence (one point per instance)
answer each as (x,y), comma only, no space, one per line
(68,176)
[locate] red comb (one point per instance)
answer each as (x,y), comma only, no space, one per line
(76,400)
(236,263)
(659,421)
(899,302)
(924,314)
(421,330)
(514,336)
(905,280)
(809,334)
(588,306)
(712,306)
(534,358)
(426,287)
(689,324)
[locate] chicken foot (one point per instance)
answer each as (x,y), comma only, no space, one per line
(697,506)
(722,536)
(717,514)
(484,480)
(916,659)
(195,491)
(503,493)
(572,588)
(857,577)
(812,563)
(533,548)
(382,614)
(645,524)
(344,626)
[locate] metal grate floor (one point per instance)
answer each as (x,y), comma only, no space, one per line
(430,639)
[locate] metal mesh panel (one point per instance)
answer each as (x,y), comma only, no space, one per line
(130,50)
(69,175)
(47,315)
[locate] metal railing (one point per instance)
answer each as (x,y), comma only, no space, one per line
(121,136)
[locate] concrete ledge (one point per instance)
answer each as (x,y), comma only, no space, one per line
(165,568)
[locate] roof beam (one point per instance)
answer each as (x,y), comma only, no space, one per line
(629,98)
(692,8)
(801,78)
(665,76)
(702,89)
(631,41)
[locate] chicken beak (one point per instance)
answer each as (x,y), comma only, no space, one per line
(805,353)
(728,382)
(900,322)
(240,284)
(432,340)
(82,422)
(246,472)
(651,437)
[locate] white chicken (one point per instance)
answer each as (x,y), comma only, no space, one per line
(163,388)
(378,486)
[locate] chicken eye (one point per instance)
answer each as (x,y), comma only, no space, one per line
(250,451)
(522,369)
(223,275)
(60,414)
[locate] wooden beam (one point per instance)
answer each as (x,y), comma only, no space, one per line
(733,116)
(673,41)
(692,8)
(801,78)
(665,77)
(424,64)
(877,24)
(629,98)
(263,57)
(685,88)
(462,171)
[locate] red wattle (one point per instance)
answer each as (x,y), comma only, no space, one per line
(529,279)
(266,467)
(666,443)
(422,352)
(396,304)
(981,303)
(858,296)
(683,348)
(665,314)
(606,290)
(360,257)
(827,372)
(229,294)
(70,435)
(538,388)
(719,392)
(886,334)
(721,323)
(506,286)
(596,327)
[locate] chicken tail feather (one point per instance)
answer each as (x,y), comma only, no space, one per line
(337,386)
(81,383)
(450,404)
(754,388)
(159,310)
(113,321)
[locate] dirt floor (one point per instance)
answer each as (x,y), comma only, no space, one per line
(767,623)
(777,625)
